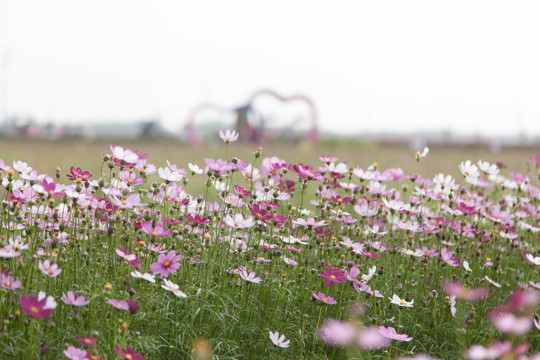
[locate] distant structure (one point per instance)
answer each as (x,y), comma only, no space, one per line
(251,124)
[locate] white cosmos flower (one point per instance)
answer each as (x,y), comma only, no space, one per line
(398,301)
(170,286)
(534,259)
(146,276)
(279,340)
(195,169)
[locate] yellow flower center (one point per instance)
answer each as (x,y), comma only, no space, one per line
(167,263)
(34,310)
(401,302)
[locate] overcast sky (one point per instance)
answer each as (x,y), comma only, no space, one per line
(464,66)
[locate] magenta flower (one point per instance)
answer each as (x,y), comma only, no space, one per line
(229,136)
(391,333)
(129,354)
(118,304)
(325,299)
(446,255)
(260,212)
(7,282)
(166,264)
(155,231)
(49,269)
(71,299)
(336,333)
(40,306)
(78,175)
(74,353)
(458,290)
(49,188)
(333,275)
(86,341)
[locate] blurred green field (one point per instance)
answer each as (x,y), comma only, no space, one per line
(45,156)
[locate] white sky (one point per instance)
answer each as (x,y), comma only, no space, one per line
(465,66)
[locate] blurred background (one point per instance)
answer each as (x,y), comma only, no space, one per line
(460,74)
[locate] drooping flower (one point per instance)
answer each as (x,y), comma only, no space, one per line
(279,340)
(398,301)
(166,264)
(391,333)
(118,304)
(40,306)
(422,154)
(325,299)
(146,276)
(71,299)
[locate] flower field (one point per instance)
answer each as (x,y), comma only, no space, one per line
(261,257)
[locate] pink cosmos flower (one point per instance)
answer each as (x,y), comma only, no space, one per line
(7,282)
(370,339)
(219,166)
(166,264)
(446,255)
(333,275)
(391,333)
(40,306)
(461,292)
(309,222)
(336,332)
(325,299)
(49,269)
(130,178)
(229,136)
(509,323)
(537,323)
(250,277)
(128,354)
(156,230)
(8,253)
(70,299)
(118,304)
(74,353)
